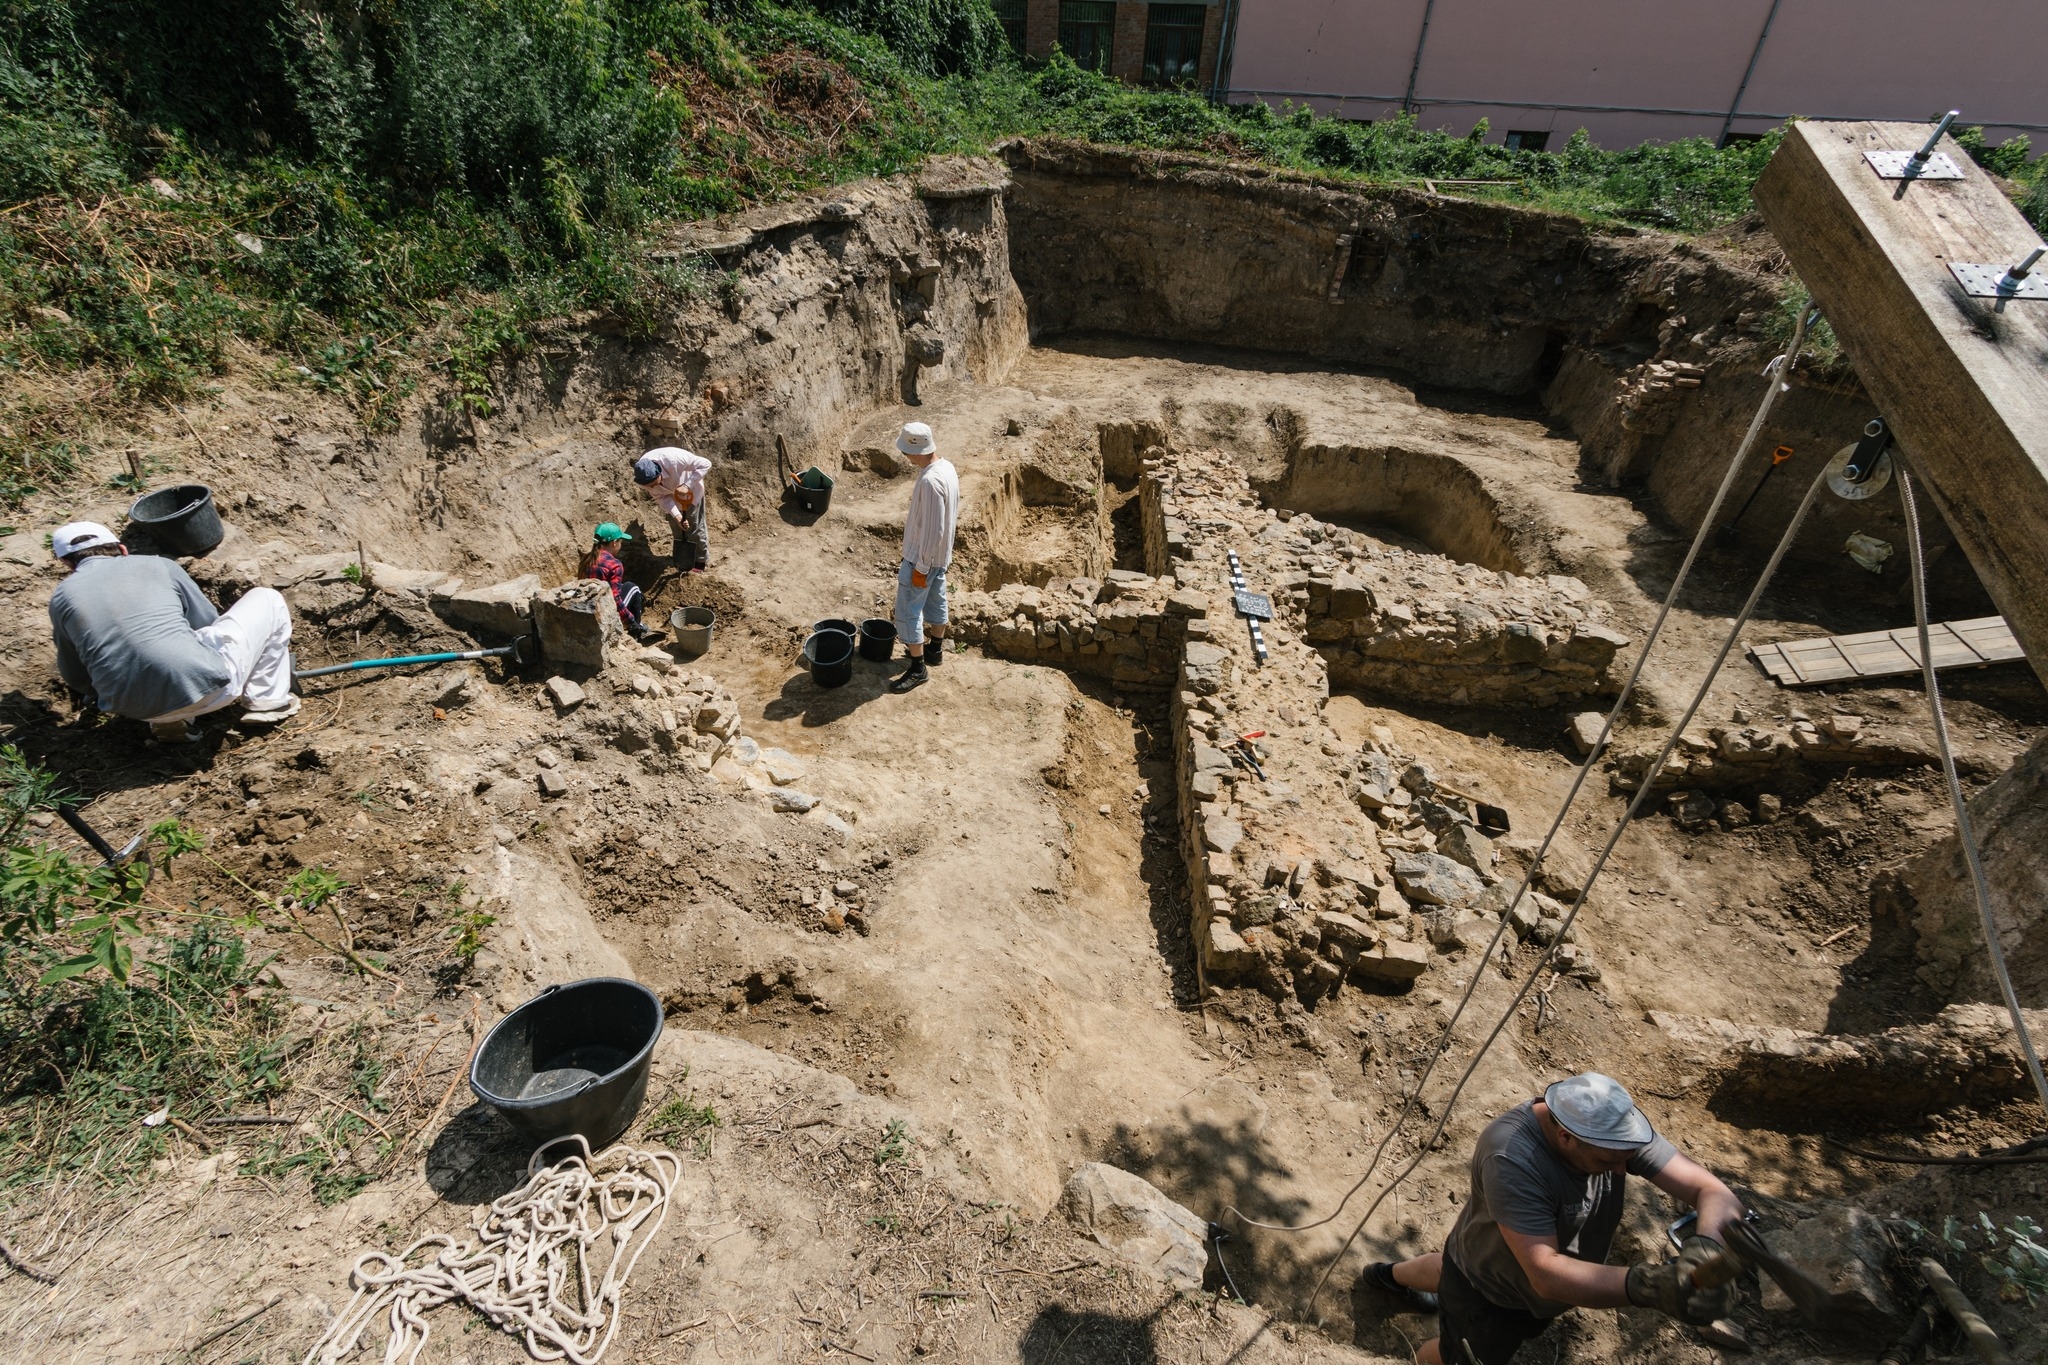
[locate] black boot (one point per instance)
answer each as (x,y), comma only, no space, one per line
(934,651)
(913,676)
(1380,1275)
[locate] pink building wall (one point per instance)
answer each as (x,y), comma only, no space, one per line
(1632,70)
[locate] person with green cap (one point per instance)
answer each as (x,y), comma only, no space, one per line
(1531,1241)
(599,561)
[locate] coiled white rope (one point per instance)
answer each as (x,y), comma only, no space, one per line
(531,1266)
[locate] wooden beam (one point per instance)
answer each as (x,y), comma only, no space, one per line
(1962,381)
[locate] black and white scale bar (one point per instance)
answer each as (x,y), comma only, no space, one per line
(1237,585)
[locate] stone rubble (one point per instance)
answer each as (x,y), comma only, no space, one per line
(1309,863)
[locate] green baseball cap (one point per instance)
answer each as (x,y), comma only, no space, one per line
(609,531)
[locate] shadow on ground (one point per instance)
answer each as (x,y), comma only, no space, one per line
(477,1157)
(1062,1333)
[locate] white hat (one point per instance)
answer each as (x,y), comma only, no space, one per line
(69,539)
(1596,1109)
(916,439)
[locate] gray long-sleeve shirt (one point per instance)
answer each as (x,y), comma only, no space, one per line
(124,632)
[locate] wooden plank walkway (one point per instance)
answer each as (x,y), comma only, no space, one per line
(1883,653)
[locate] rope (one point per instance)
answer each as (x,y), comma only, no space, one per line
(529,1269)
(1964,835)
(1775,372)
(1635,804)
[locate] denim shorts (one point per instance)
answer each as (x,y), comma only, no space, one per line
(917,607)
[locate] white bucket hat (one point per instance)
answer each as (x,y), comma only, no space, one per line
(69,539)
(916,439)
(1595,1109)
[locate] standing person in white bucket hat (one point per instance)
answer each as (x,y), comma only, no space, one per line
(137,636)
(927,550)
(1531,1242)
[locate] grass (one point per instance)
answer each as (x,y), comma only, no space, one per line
(392,206)
(682,1122)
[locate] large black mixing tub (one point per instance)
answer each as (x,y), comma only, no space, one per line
(573,1059)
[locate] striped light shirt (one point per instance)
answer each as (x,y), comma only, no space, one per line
(934,512)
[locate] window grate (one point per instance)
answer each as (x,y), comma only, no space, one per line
(1173,43)
(1010,14)
(1088,32)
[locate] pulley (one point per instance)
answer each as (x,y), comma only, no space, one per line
(1863,468)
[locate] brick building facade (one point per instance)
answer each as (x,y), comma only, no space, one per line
(1133,41)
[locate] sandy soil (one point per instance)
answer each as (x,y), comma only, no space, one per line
(1023,997)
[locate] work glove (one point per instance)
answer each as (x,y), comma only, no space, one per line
(918,580)
(1671,1288)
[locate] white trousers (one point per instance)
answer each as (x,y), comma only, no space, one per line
(253,637)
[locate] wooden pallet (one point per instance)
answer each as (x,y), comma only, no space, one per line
(1883,653)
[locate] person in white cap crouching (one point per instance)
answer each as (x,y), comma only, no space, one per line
(1530,1243)
(138,637)
(927,550)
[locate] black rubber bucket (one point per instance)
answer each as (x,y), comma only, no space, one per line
(812,490)
(829,656)
(573,1059)
(181,520)
(877,640)
(834,623)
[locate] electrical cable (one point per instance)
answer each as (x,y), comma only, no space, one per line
(1620,826)
(1778,374)
(1964,834)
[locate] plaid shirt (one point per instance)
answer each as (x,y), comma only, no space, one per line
(607,567)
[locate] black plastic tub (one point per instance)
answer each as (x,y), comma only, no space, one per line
(834,623)
(181,520)
(573,1059)
(877,640)
(829,656)
(811,490)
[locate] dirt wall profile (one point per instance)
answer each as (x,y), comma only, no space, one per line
(1647,347)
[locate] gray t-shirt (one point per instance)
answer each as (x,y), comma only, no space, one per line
(124,633)
(1519,1183)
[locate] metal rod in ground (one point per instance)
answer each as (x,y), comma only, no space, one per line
(1976,1331)
(400,661)
(86,832)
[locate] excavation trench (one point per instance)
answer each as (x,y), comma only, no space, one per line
(1048,907)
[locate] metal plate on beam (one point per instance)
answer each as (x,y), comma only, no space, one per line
(1988,281)
(1255,605)
(1899,166)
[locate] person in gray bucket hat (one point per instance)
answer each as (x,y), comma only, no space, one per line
(1531,1242)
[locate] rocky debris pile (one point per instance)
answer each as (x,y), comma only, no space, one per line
(1128,628)
(1646,400)
(1429,628)
(1447,859)
(1132,1220)
(1747,758)
(650,705)
(1383,617)
(1848,1253)
(1968,1055)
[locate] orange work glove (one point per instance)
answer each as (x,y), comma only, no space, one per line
(918,580)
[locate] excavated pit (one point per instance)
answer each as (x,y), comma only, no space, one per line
(1035,910)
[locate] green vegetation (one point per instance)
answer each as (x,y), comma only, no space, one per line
(100,1047)
(365,196)
(684,1122)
